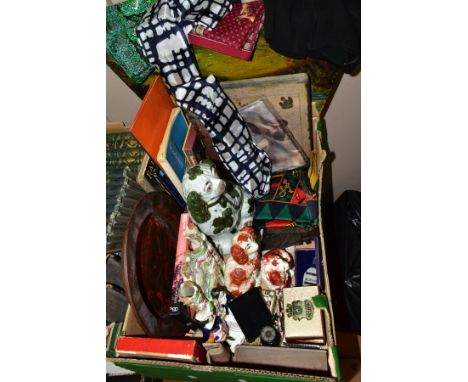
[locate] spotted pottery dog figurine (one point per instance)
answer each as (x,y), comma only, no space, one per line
(218,207)
(243,265)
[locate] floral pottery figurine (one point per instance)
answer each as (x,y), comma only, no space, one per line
(218,207)
(202,272)
(276,269)
(242,267)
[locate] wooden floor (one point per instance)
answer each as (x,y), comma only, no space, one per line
(349,349)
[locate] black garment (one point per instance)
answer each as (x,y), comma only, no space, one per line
(347,218)
(326,29)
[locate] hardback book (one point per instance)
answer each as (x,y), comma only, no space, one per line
(152,118)
(236,34)
(209,151)
(308,268)
(147,178)
(193,147)
(159,348)
(171,156)
(302,321)
(182,246)
(151,178)
(149,128)
(292,358)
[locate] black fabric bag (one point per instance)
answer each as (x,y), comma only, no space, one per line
(347,220)
(325,29)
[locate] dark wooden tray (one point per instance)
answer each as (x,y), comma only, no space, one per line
(148,258)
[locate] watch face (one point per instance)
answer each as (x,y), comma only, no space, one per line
(310,277)
(268,334)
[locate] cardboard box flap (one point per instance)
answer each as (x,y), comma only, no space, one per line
(116,127)
(184,371)
(331,334)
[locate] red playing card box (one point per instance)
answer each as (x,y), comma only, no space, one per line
(159,348)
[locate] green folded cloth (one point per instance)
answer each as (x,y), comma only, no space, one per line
(121,39)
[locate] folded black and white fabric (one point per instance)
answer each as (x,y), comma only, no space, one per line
(162,36)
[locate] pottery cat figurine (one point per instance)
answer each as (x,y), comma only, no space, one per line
(218,207)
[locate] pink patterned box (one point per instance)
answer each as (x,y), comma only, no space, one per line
(182,245)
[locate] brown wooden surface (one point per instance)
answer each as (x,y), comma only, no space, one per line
(349,349)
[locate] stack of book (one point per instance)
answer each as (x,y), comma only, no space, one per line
(169,141)
(303,322)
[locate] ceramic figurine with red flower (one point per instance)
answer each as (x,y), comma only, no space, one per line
(276,269)
(243,263)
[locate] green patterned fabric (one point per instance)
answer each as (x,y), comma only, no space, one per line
(135,7)
(121,39)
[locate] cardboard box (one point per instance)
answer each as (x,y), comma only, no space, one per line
(183,371)
(294,358)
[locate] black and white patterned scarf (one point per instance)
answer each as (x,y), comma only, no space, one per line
(163,38)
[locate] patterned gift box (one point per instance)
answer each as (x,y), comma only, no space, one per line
(233,36)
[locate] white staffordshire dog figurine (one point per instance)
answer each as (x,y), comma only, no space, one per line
(218,207)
